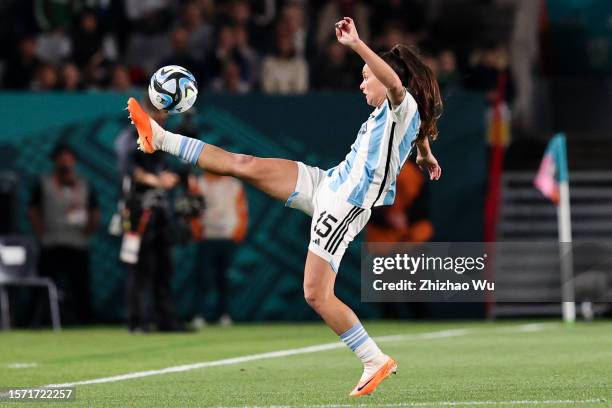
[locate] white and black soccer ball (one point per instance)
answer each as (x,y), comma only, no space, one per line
(173,88)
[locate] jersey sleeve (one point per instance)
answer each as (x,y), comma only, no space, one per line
(404,110)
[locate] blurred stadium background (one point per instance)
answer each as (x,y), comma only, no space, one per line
(513,73)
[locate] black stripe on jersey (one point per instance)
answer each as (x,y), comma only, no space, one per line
(389,150)
(338,228)
(345,230)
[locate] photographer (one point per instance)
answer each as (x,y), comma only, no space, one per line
(147,242)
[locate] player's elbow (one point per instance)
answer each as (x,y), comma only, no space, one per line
(396,87)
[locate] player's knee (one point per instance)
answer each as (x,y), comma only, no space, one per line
(312,299)
(315,296)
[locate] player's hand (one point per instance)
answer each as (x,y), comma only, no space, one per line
(346,32)
(429,163)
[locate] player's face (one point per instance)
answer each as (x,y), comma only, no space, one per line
(372,88)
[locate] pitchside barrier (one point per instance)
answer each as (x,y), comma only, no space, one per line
(266,277)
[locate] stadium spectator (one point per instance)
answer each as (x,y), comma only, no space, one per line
(22,66)
(334,10)
(211,33)
(264,12)
(251,65)
(224,51)
(70,77)
(54,46)
(207,7)
(489,72)
(46,78)
(236,13)
(335,69)
(120,79)
(150,16)
(264,15)
(224,225)
(199,32)
(293,18)
(64,214)
(240,13)
(50,15)
(147,43)
(284,72)
(230,80)
(447,69)
(90,45)
(180,55)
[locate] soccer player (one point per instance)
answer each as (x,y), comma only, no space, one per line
(407,103)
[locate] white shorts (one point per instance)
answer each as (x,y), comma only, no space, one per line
(335,222)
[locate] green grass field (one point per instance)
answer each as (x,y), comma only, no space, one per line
(441,364)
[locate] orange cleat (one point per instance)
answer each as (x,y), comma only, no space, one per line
(369,386)
(142,121)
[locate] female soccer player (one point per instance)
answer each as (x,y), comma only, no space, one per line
(407,103)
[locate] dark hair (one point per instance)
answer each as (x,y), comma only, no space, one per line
(420,82)
(61,148)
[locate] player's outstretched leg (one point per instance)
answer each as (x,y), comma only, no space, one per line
(319,279)
(275,177)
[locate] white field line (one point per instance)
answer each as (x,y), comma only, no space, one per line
(440,404)
(530,327)
(21,365)
(264,356)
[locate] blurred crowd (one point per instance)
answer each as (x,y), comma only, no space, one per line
(237,46)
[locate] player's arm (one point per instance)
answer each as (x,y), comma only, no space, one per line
(422,144)
(426,160)
(346,32)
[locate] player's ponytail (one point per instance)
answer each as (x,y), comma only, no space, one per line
(421,83)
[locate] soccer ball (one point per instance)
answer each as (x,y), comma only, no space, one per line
(173,88)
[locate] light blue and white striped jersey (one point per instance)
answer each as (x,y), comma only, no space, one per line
(366,177)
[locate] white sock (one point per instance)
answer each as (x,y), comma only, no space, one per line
(365,348)
(184,147)
(159,135)
(372,357)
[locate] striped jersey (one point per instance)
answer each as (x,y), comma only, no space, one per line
(366,177)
